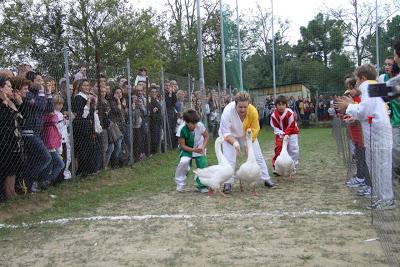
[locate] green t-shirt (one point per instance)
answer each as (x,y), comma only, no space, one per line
(188,136)
(189,140)
(395,112)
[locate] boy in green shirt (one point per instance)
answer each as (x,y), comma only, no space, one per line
(193,140)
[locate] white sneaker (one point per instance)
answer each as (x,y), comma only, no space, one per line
(180,188)
(67,175)
(202,190)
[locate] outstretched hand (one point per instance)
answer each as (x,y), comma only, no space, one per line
(342,103)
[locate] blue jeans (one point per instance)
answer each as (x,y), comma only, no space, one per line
(107,148)
(54,168)
(37,158)
(116,155)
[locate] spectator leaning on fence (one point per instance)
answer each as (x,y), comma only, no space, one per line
(104,109)
(52,140)
(170,102)
(36,101)
(379,134)
(83,106)
(117,116)
(142,106)
(138,146)
(62,125)
(354,129)
(10,141)
(238,116)
(155,122)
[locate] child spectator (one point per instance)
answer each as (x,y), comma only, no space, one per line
(331,112)
(62,126)
(141,76)
(379,134)
(283,121)
(193,139)
(52,140)
(356,136)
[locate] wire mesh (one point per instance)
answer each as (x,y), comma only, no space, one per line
(368,150)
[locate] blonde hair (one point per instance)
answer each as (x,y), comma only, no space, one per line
(57,99)
(366,70)
(242,97)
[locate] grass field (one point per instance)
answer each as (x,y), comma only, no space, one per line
(311,221)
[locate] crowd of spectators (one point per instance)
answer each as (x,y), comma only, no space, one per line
(36,151)
(319,108)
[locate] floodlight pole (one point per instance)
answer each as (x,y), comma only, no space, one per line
(273,48)
(201,66)
(377,36)
(239,49)
(222,46)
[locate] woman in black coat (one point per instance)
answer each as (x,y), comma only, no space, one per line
(10,141)
(83,107)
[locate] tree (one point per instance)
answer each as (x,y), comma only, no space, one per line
(358,22)
(17,32)
(321,38)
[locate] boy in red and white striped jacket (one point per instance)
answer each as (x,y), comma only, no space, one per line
(283,121)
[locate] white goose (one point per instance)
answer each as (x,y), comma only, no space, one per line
(249,171)
(213,176)
(284,164)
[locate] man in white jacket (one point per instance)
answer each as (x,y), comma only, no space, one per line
(237,117)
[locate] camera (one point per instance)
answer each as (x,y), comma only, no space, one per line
(387,91)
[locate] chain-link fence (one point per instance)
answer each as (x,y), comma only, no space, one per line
(369,149)
(76,120)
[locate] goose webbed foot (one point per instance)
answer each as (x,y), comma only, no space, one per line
(254,193)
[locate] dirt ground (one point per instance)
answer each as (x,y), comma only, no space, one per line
(278,228)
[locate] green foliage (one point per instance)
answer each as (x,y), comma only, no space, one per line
(321,37)
(36,32)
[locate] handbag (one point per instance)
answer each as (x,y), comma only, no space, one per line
(114,133)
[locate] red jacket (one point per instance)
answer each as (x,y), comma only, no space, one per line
(285,123)
(355,130)
(51,136)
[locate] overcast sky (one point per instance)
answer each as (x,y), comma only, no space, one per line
(299,12)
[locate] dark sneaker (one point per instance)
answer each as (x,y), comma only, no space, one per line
(227,189)
(269,183)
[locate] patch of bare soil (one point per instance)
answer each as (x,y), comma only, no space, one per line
(270,240)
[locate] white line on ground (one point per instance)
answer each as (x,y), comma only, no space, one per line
(294,214)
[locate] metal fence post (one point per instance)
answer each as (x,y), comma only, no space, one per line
(164,109)
(190,90)
(71,130)
(128,70)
